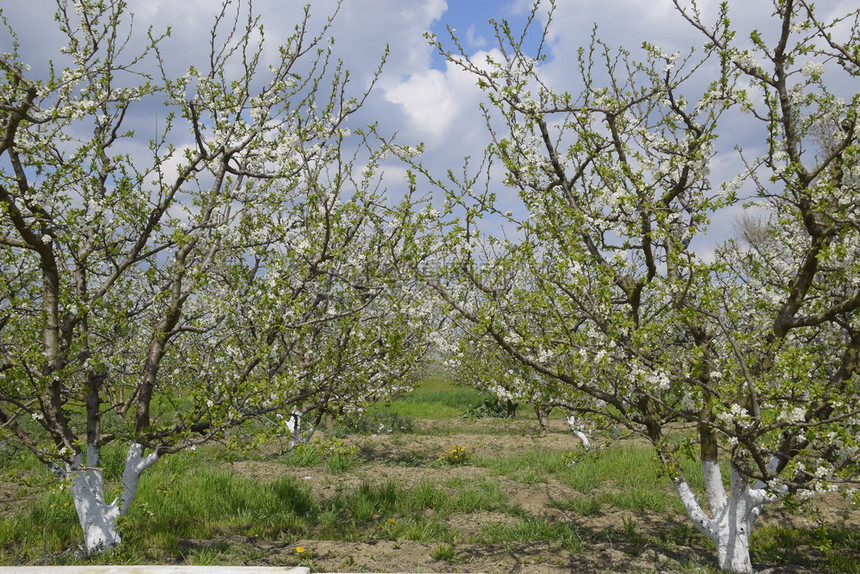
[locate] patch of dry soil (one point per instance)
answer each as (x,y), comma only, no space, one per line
(407,460)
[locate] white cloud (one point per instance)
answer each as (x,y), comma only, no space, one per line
(364,29)
(441,104)
(473,39)
(428,101)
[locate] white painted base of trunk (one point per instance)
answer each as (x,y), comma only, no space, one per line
(98,518)
(732,515)
(577,430)
(300,431)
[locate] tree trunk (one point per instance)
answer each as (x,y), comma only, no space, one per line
(542,412)
(732,516)
(98,518)
(135,465)
(577,430)
(300,431)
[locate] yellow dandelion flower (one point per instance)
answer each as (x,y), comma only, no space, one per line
(299,549)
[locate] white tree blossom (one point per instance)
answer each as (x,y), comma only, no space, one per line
(754,350)
(239,268)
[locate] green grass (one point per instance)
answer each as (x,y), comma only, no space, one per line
(530,529)
(48,526)
(622,477)
(177,503)
(444,553)
(436,398)
(808,546)
(176,518)
(331,454)
(534,467)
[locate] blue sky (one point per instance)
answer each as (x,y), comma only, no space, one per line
(419,96)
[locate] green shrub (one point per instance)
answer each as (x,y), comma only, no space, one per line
(489,407)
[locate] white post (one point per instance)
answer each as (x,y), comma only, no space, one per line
(298,434)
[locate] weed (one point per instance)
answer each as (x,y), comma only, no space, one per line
(305,557)
(339,463)
(436,398)
(581,505)
(425,495)
(480,495)
(175,504)
(489,406)
(306,454)
(444,553)
(806,546)
(425,531)
(639,499)
(684,535)
(629,524)
(208,555)
(533,467)
(333,453)
(458,455)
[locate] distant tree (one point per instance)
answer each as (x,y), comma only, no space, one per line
(747,357)
(156,294)
(483,365)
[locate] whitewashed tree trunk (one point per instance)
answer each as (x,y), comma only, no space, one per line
(98,518)
(301,433)
(135,465)
(577,430)
(732,516)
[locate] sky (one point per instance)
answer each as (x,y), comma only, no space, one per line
(419,96)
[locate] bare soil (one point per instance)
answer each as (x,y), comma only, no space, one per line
(407,458)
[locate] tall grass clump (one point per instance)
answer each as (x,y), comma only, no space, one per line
(333,453)
(625,476)
(836,548)
(208,502)
(49,526)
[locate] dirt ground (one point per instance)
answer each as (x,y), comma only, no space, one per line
(407,459)
(604,547)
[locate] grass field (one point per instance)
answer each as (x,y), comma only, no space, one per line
(413,487)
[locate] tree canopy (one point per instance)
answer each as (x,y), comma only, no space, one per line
(746,353)
(160,290)
(241,260)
